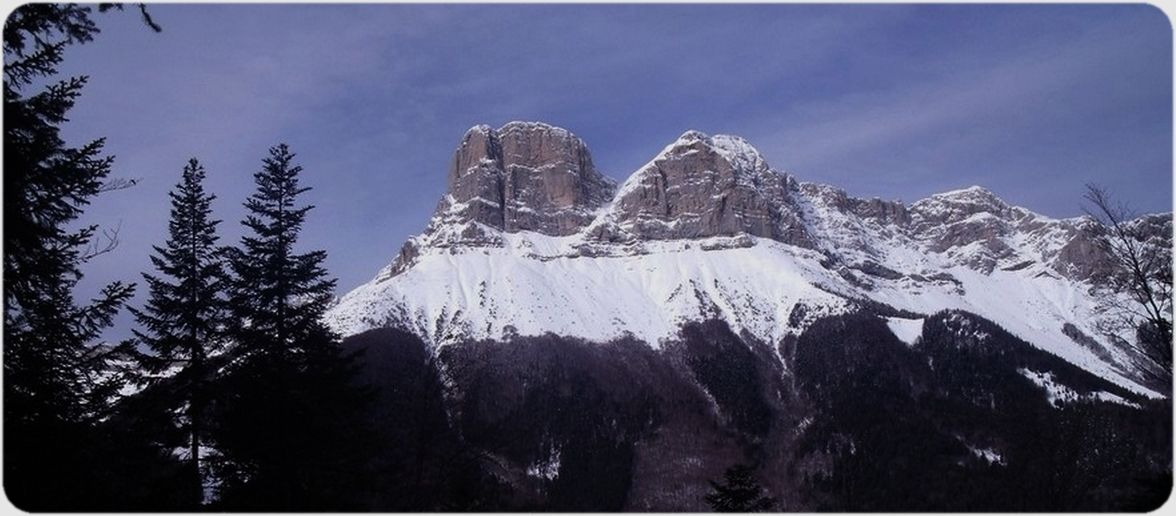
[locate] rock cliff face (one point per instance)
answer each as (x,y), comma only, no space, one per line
(968,222)
(704,186)
(524,176)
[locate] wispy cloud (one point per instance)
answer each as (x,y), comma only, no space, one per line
(1002,111)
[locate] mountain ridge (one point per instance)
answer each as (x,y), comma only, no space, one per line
(530,238)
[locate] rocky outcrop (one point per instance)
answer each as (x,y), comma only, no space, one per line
(1083,258)
(1155,228)
(702,186)
(971,223)
(881,211)
(885,212)
(551,185)
(956,206)
(976,228)
(524,176)
(475,180)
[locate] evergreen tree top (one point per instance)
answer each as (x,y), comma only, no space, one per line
(185,304)
(279,296)
(739,492)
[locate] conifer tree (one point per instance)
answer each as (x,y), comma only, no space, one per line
(739,492)
(289,420)
(57,384)
(280,295)
(183,317)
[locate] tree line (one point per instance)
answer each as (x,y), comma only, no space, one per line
(243,399)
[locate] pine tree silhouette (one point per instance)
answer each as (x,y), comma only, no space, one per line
(184,315)
(290,422)
(280,295)
(57,384)
(739,492)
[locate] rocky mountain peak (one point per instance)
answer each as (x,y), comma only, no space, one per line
(957,205)
(972,223)
(702,186)
(738,152)
(524,176)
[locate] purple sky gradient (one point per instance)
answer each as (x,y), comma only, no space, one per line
(891,101)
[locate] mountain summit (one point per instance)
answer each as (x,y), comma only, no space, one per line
(704,186)
(524,176)
(531,239)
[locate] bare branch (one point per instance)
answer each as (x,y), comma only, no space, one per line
(147,20)
(1144,274)
(117,184)
(106,244)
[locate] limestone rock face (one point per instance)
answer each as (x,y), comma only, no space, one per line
(963,217)
(956,206)
(530,177)
(1156,228)
(475,180)
(703,186)
(525,176)
(972,224)
(885,212)
(981,231)
(1083,259)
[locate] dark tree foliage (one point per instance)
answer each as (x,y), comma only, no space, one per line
(57,385)
(569,411)
(1063,455)
(290,421)
(953,423)
(739,492)
(418,462)
(184,316)
(729,370)
(883,449)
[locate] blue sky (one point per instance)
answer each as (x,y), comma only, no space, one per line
(891,101)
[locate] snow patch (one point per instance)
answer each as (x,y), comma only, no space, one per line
(548,468)
(1060,394)
(210,483)
(988,454)
(907,330)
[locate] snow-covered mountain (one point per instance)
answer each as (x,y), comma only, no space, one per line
(531,239)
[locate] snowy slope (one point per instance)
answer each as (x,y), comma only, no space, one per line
(530,286)
(964,249)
